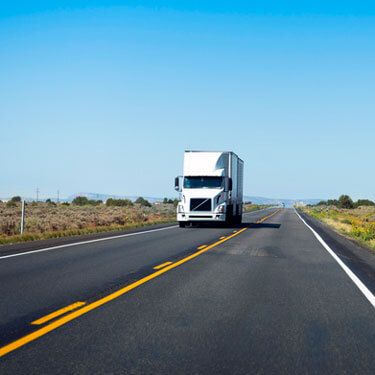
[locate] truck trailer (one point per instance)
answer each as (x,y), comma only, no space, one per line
(211,188)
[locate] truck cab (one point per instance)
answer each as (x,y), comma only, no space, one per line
(210,188)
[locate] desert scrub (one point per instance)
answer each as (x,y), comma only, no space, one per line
(44,220)
(365,232)
(358,223)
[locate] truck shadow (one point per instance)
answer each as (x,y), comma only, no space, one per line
(236,226)
(263,225)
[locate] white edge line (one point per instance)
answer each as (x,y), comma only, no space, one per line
(85,242)
(99,239)
(362,287)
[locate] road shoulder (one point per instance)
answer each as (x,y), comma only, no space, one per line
(39,244)
(358,258)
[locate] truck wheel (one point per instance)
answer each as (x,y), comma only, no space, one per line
(230,218)
(181,224)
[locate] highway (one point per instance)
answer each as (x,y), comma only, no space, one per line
(264,297)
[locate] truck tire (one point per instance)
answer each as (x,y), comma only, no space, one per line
(182,224)
(229,218)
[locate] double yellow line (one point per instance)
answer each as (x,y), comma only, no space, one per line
(102,301)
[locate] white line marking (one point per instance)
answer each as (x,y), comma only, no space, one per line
(86,242)
(98,240)
(362,287)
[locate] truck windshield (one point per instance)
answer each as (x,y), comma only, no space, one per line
(203,182)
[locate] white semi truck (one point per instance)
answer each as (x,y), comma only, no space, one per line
(211,188)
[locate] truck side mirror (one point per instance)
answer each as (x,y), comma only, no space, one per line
(177,186)
(228,184)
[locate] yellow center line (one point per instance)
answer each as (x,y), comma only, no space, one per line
(267,217)
(162,265)
(201,247)
(57,313)
(102,301)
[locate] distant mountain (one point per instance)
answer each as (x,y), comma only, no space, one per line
(104,197)
(286,202)
(260,200)
(247,198)
(255,200)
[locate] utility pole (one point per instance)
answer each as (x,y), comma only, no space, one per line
(22,215)
(37,194)
(58,196)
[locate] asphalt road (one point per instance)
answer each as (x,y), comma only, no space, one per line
(263,298)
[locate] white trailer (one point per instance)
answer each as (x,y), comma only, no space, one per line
(211,188)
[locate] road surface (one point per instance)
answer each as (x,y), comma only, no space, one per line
(265,297)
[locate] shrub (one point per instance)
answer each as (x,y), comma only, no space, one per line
(80,201)
(364,233)
(171,201)
(118,202)
(83,201)
(364,202)
(143,202)
(346,221)
(333,202)
(16,199)
(346,202)
(93,202)
(50,202)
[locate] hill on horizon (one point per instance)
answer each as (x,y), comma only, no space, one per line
(104,197)
(247,198)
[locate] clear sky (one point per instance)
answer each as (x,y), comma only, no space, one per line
(97,96)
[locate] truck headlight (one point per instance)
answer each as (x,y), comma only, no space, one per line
(220,209)
(180,209)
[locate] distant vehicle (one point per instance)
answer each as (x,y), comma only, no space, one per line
(211,188)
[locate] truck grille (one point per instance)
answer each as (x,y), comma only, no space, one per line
(200,204)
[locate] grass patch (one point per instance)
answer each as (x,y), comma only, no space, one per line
(358,223)
(75,232)
(45,221)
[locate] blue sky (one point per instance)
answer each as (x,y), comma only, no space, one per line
(98,96)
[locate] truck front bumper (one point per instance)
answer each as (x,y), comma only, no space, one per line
(206,216)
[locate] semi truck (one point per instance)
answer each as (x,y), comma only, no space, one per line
(211,188)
